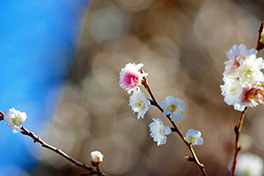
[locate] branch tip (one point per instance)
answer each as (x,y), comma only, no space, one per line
(189,158)
(36,139)
(1,115)
(236,129)
(173,129)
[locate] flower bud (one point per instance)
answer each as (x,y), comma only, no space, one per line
(97,157)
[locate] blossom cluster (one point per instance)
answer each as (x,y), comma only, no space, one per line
(243,78)
(131,77)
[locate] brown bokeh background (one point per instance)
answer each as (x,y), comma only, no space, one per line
(182,45)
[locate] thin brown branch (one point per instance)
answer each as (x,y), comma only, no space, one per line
(1,115)
(97,167)
(237,130)
(36,139)
(175,129)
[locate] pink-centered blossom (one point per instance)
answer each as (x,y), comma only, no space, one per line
(131,77)
(252,96)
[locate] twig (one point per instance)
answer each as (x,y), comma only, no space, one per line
(175,129)
(1,115)
(61,153)
(37,139)
(97,167)
(237,129)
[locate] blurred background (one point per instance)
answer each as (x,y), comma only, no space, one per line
(182,45)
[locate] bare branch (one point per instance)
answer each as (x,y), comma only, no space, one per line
(237,130)
(36,139)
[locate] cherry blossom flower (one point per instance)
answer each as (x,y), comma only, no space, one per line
(252,96)
(139,103)
(194,137)
(173,107)
(159,131)
(232,91)
(131,77)
(15,119)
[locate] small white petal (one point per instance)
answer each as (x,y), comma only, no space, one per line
(200,141)
(239,107)
(167,130)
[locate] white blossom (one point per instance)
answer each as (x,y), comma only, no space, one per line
(159,131)
(249,165)
(236,55)
(97,156)
(243,78)
(194,137)
(250,71)
(14,119)
(139,103)
(131,77)
(231,90)
(173,107)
